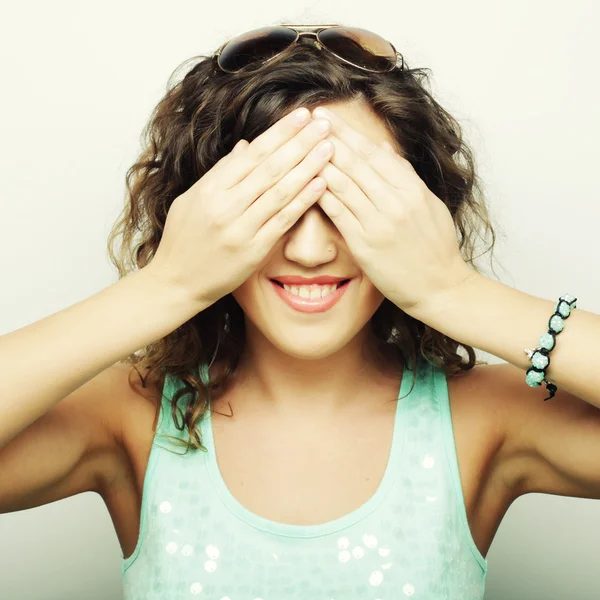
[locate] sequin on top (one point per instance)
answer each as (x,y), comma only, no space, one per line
(411,539)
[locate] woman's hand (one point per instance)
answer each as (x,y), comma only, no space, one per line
(401,235)
(219,230)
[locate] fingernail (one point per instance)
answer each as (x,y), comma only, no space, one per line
(322,112)
(323,126)
(301,115)
(325,148)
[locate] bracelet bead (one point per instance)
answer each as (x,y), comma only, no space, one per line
(556,323)
(540,360)
(547,341)
(534,378)
(563,308)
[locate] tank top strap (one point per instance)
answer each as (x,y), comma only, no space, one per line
(166,425)
(431,381)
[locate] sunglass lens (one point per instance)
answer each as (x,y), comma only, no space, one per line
(255,46)
(360,46)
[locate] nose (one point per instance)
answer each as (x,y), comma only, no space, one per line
(313,240)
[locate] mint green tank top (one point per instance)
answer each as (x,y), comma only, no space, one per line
(411,539)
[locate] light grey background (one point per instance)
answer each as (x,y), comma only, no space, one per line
(77,83)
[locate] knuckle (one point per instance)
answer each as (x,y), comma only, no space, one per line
(273,168)
(357,163)
(340,184)
(257,153)
(278,194)
(231,243)
(284,218)
(219,220)
(402,215)
(349,164)
(368,150)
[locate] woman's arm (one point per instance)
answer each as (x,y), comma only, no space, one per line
(45,361)
(487,314)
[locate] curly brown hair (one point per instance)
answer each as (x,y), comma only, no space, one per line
(201,118)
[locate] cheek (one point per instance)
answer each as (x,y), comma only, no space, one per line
(370,293)
(245,295)
(372,298)
(241,294)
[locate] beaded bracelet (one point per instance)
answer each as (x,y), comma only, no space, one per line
(539,356)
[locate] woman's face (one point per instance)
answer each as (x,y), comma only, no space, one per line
(303,251)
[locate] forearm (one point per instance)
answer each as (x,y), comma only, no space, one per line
(47,360)
(494,317)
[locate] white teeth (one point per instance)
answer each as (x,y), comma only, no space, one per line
(311,291)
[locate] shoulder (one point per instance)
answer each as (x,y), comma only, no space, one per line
(131,411)
(497,397)
(129,398)
(549,447)
(474,398)
(524,430)
(488,413)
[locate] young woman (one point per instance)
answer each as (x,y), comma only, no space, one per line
(274,399)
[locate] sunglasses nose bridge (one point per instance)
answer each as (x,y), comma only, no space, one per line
(310,34)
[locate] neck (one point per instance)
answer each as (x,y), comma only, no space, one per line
(282,384)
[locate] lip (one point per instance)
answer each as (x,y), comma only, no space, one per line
(307,305)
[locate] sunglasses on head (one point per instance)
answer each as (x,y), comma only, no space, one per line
(358,47)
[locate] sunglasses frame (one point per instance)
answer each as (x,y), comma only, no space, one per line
(314,30)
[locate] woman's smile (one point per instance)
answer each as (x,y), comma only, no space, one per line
(300,302)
